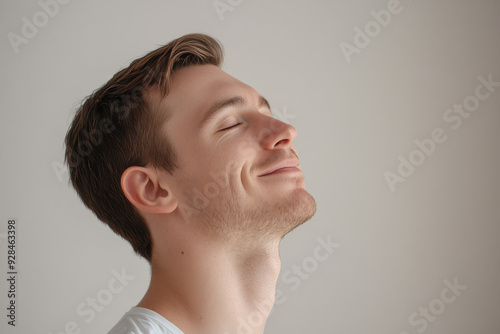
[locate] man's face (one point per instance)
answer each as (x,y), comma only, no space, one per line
(237,168)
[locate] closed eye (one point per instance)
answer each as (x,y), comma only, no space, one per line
(232,126)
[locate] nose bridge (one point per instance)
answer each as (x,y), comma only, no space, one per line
(273,132)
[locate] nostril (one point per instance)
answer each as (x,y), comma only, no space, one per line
(282,142)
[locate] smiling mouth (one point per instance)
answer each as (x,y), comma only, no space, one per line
(283,167)
(284,170)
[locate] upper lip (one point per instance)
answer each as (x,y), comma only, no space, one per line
(282,164)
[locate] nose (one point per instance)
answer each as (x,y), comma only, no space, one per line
(276,134)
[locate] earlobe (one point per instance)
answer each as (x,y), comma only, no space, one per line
(143,189)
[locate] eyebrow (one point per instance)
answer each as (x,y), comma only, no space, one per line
(235,101)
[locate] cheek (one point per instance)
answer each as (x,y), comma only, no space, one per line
(222,162)
(246,148)
(237,156)
(226,163)
(190,152)
(222,168)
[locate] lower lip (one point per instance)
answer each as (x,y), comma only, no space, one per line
(285,170)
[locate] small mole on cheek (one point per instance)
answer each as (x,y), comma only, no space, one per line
(182,253)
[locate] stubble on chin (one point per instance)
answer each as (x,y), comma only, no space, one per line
(227,219)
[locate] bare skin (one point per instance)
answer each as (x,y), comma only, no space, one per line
(217,220)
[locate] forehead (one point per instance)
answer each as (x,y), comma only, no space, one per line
(195,88)
(193,91)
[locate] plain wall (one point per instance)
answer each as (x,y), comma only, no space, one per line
(359,113)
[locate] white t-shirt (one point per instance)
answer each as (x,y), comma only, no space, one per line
(140,320)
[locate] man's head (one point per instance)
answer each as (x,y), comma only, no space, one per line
(175,137)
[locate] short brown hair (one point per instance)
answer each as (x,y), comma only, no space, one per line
(116,127)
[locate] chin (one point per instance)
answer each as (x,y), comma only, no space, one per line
(274,216)
(300,207)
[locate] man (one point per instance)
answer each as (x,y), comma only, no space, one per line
(187,163)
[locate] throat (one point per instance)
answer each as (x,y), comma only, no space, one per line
(213,290)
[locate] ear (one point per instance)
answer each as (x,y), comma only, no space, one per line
(143,188)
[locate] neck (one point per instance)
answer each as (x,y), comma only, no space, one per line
(209,286)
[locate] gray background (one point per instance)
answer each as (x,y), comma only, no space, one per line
(354,120)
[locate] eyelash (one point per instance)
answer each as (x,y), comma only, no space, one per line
(232,126)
